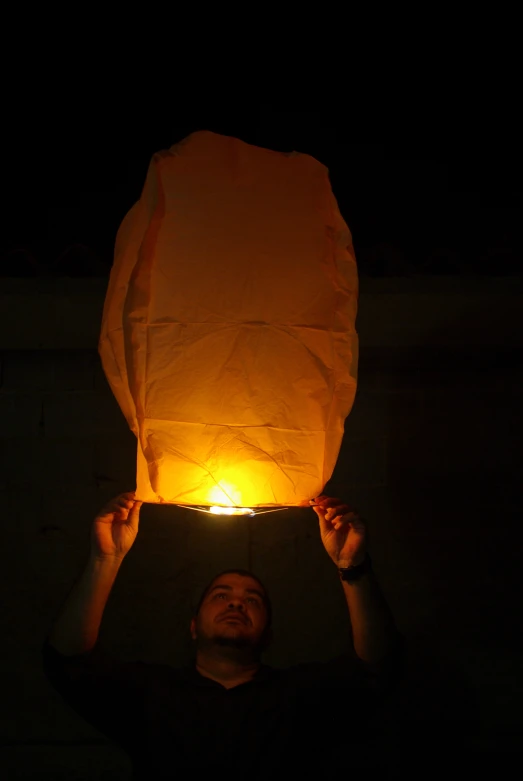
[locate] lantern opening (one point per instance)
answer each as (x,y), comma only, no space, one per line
(244,511)
(215,510)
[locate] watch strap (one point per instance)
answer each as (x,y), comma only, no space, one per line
(351,574)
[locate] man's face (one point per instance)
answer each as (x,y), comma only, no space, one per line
(232,614)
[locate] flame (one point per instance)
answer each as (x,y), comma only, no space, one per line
(228,495)
(230,510)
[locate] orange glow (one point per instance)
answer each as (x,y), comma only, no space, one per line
(225,494)
(228,332)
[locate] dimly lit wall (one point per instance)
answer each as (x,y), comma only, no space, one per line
(431,458)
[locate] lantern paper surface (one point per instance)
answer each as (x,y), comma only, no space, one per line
(228,332)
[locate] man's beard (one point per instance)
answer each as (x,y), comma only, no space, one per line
(233,642)
(238,642)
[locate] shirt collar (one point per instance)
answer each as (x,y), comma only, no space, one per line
(191,674)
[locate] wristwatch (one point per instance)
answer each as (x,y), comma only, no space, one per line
(350,574)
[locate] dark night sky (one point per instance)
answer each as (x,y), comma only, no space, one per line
(415,191)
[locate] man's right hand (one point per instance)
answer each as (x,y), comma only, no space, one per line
(115,527)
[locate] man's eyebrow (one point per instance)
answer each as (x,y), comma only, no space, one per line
(248,590)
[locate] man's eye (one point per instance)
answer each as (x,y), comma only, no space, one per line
(250,599)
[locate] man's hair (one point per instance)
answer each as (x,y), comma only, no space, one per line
(245,573)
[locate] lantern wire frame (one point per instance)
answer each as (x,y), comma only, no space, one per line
(241,511)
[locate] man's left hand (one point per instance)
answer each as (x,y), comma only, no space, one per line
(343,532)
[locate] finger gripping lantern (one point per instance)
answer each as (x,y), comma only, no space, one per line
(228,331)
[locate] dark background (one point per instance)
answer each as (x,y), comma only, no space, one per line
(419,197)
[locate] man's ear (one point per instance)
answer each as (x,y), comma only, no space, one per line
(193,628)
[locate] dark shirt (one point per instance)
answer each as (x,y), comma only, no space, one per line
(174,719)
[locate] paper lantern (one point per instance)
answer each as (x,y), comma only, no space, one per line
(228,332)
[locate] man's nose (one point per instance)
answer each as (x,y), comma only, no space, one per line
(236,603)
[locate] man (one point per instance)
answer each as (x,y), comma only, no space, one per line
(228,711)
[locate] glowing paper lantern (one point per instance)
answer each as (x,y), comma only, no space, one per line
(228,332)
